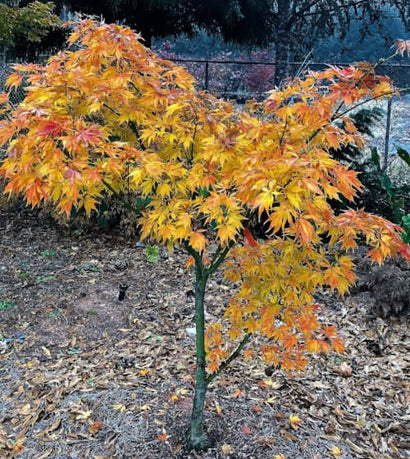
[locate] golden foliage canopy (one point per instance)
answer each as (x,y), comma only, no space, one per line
(108,115)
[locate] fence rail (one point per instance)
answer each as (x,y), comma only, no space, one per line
(242,80)
(231,78)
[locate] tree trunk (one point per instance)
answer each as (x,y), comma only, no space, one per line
(197,436)
(282,42)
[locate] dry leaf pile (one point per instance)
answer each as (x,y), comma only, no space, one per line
(83,375)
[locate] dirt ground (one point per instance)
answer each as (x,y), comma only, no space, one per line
(84,375)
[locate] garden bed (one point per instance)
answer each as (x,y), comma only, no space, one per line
(83,375)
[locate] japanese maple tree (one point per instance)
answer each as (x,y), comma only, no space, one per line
(108,116)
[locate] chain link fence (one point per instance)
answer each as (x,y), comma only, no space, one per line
(251,79)
(244,80)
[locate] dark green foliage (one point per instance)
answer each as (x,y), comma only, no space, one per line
(391,196)
(28,30)
(406,226)
(380,195)
(404,155)
(364,120)
(111,216)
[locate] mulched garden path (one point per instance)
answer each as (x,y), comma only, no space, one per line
(83,375)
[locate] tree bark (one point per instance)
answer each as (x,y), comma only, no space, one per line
(197,436)
(282,42)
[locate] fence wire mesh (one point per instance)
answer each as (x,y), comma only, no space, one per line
(244,80)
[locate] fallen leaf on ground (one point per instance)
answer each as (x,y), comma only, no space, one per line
(227,449)
(344,369)
(95,427)
(294,421)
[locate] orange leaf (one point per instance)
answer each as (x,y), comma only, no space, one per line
(14,80)
(162,437)
(17,447)
(305,230)
(197,241)
(338,345)
(95,427)
(213,366)
(256,409)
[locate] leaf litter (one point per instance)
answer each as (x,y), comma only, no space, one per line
(99,378)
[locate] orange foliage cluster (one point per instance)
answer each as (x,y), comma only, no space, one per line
(108,115)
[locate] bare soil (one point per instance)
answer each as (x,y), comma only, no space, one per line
(84,375)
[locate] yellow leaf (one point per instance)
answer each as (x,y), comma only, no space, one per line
(272,384)
(26,409)
(227,449)
(173,107)
(336,451)
(83,414)
(46,352)
(294,421)
(89,204)
(119,407)
(238,393)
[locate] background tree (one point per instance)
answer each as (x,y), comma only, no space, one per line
(292,26)
(23,29)
(109,116)
(298,24)
(240,21)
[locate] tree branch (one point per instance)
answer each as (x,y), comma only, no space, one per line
(198,259)
(131,124)
(126,204)
(215,264)
(232,357)
(324,11)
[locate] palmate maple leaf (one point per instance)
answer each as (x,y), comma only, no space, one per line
(108,117)
(294,421)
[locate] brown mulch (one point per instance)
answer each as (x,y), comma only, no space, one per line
(83,375)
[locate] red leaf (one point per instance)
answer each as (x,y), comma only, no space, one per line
(249,239)
(49,127)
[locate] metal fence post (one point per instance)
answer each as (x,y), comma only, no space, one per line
(206,75)
(387,137)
